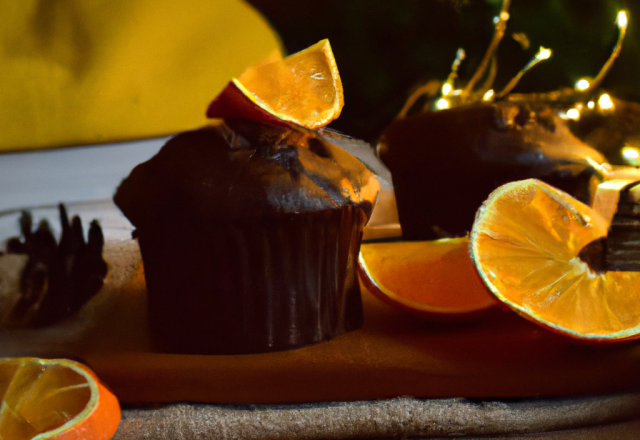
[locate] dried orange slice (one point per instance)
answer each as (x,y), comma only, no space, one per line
(54,399)
(434,279)
(303,88)
(528,244)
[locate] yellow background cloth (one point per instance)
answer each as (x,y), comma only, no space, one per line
(86,71)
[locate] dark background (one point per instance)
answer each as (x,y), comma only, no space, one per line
(384,48)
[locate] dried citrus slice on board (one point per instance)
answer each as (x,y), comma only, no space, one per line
(528,243)
(54,399)
(434,279)
(303,88)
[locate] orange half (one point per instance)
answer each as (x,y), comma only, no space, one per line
(434,279)
(303,88)
(526,242)
(54,399)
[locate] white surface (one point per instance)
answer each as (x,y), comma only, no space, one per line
(115,226)
(69,175)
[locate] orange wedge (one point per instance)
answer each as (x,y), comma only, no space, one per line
(303,89)
(433,279)
(54,399)
(526,243)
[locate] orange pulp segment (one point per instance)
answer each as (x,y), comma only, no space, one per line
(54,399)
(303,88)
(526,242)
(433,279)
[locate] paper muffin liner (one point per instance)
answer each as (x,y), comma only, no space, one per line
(253,285)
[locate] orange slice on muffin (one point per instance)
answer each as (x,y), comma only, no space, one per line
(303,89)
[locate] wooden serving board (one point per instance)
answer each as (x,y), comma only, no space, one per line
(498,355)
(394,355)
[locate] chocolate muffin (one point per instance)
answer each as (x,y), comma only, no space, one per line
(250,235)
(446,163)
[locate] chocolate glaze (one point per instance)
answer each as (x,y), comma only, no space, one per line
(249,238)
(216,173)
(446,163)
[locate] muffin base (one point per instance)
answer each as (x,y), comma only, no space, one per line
(253,285)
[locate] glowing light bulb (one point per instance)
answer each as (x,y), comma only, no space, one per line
(573,113)
(446,89)
(630,154)
(622,20)
(591,104)
(487,96)
(582,84)
(604,102)
(442,104)
(543,53)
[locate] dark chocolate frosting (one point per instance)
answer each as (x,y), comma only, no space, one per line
(251,170)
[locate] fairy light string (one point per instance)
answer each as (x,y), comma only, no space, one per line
(444,95)
(622,21)
(543,54)
(500,22)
